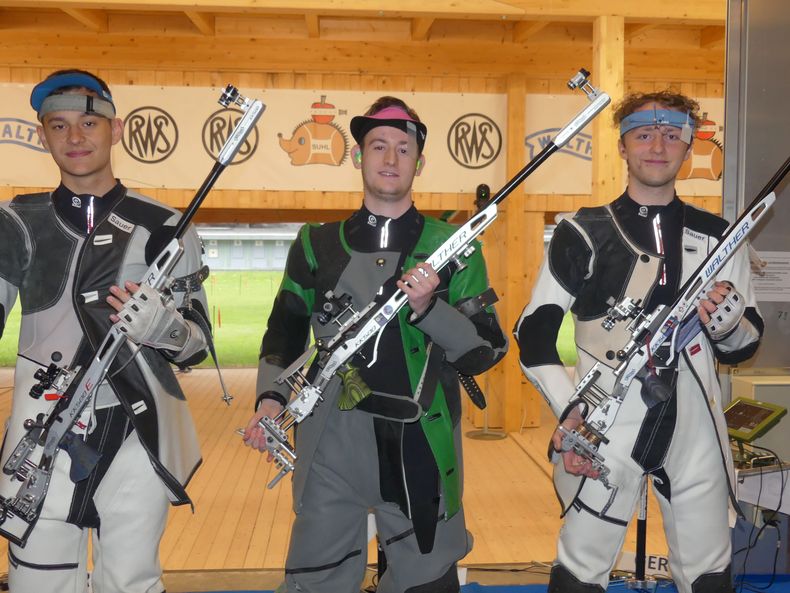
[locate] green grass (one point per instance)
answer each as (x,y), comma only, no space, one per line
(8,343)
(239,305)
(565,342)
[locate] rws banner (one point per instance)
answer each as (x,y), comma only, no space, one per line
(302,141)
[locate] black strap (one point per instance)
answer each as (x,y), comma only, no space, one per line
(193,315)
(191,282)
(391,407)
(476,304)
(473,390)
(469,308)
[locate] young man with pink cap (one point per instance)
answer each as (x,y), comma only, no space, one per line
(397,451)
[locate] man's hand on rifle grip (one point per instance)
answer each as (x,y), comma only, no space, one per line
(573,463)
(722,311)
(147,319)
(419,284)
(254,435)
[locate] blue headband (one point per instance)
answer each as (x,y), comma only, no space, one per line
(46,87)
(659,117)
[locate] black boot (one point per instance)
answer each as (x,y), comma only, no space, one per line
(563,581)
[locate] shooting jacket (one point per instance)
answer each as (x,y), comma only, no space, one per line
(594,256)
(62,277)
(357,257)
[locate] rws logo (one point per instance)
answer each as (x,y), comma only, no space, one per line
(20,132)
(219,126)
(150,134)
(474,140)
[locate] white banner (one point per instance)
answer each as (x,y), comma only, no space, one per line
(302,141)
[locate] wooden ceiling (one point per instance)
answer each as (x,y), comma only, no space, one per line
(669,39)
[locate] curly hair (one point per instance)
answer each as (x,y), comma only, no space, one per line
(387,101)
(667,98)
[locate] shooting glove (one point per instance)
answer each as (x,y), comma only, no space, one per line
(149,320)
(725,319)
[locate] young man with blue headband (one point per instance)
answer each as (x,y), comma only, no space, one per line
(72,256)
(643,245)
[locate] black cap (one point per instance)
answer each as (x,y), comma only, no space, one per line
(394,117)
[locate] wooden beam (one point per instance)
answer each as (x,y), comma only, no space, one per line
(203,22)
(523,30)
(609,75)
(712,37)
(709,12)
(199,53)
(313,25)
(636,29)
(95,20)
(420,28)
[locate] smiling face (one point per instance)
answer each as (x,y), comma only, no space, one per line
(80,144)
(654,155)
(390,160)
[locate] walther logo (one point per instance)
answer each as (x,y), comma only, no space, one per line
(20,132)
(150,135)
(448,250)
(474,141)
(579,146)
(724,251)
(218,128)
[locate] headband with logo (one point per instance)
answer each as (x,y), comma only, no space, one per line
(659,117)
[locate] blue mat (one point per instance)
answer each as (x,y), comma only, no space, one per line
(752,584)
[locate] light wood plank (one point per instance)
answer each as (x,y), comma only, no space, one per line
(420,28)
(699,11)
(609,75)
(312,22)
(712,36)
(523,30)
(94,20)
(203,22)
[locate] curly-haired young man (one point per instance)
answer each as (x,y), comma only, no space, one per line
(643,245)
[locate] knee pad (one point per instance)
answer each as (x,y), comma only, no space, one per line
(713,582)
(447,583)
(563,581)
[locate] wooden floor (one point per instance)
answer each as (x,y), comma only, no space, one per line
(238,524)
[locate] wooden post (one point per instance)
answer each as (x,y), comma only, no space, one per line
(609,75)
(516,237)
